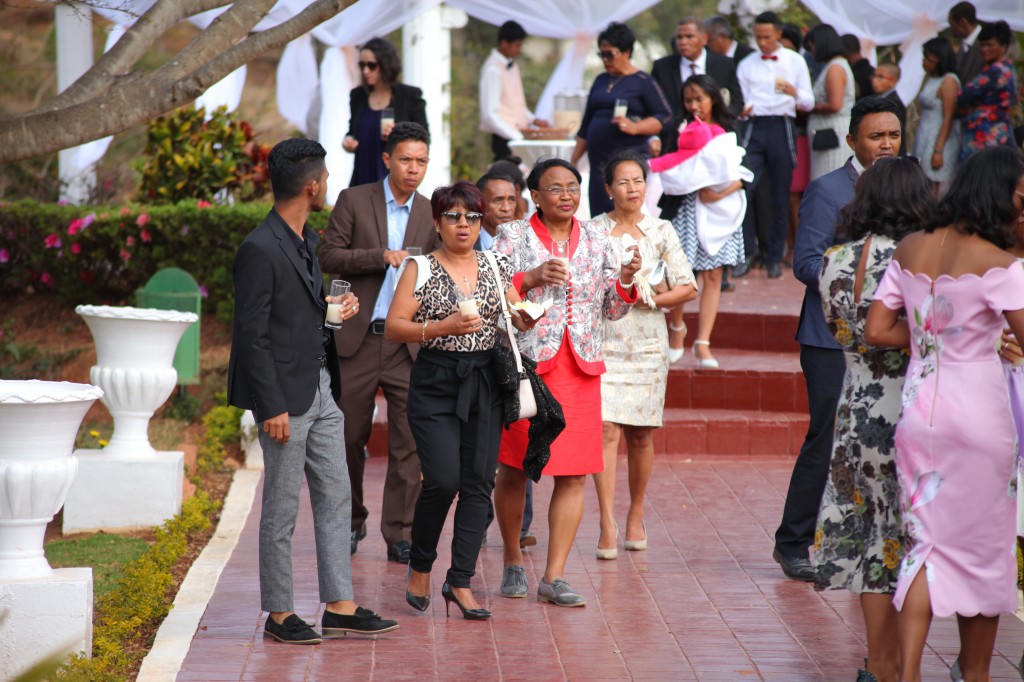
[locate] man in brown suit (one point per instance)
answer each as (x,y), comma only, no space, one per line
(370,229)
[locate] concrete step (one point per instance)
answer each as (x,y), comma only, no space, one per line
(730,432)
(748,380)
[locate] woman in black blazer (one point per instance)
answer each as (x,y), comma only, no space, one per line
(380,66)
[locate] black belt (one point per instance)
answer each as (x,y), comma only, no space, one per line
(377,327)
(771,118)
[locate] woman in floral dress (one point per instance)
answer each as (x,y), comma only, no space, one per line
(956,439)
(859,541)
(985,101)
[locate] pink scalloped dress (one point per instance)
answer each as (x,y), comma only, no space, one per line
(956,442)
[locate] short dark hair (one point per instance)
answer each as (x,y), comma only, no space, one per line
(826,41)
(851,43)
(719,26)
(488,178)
(872,104)
(963,10)
(462,192)
(791,32)
(943,52)
(997,30)
(618,35)
(768,18)
(620,157)
(980,198)
(691,19)
(403,131)
(719,110)
(510,168)
(542,166)
(511,32)
(292,164)
(893,198)
(390,64)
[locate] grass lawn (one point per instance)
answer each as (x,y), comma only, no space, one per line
(106,553)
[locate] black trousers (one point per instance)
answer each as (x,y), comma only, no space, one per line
(770,142)
(499,146)
(823,371)
(455,417)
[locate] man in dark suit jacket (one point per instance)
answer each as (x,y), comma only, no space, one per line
(964,24)
(874,133)
(720,40)
(282,367)
(366,239)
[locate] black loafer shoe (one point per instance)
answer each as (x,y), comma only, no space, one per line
(743,268)
(796,569)
(362,622)
(293,630)
(774,271)
(357,535)
(399,552)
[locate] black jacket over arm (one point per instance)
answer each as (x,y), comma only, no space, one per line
(406,100)
(277,338)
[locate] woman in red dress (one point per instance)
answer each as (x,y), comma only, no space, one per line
(589,285)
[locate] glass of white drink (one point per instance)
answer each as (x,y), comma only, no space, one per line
(560,251)
(335,302)
(467,299)
(621,108)
(387,121)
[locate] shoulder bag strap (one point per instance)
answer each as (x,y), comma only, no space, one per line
(493,262)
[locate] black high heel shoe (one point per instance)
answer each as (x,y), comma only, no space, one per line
(417,602)
(468,614)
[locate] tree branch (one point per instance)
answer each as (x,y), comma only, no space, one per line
(137,101)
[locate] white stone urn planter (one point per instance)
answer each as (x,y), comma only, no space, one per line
(128,484)
(134,367)
(41,610)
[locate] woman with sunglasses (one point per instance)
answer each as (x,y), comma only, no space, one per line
(380,91)
(624,108)
(454,407)
(573,264)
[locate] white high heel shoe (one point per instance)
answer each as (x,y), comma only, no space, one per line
(611,552)
(676,354)
(704,363)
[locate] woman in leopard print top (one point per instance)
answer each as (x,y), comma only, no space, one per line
(455,407)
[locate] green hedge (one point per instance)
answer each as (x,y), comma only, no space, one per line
(102,254)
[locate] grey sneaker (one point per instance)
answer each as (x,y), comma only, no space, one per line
(513,582)
(559,593)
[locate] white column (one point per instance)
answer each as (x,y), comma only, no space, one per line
(74,57)
(427,64)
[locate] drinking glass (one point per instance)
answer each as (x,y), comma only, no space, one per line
(560,250)
(387,118)
(335,302)
(466,295)
(621,108)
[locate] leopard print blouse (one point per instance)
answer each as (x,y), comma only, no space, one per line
(438,300)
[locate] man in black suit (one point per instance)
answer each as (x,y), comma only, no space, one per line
(284,368)
(862,69)
(720,40)
(964,24)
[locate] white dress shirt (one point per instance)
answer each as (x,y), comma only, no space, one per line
(398,220)
(685,70)
(757,80)
(491,76)
(967,43)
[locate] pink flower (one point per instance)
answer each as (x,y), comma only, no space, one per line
(145,236)
(125,255)
(52,241)
(76,249)
(76,226)
(46,279)
(130,241)
(203,291)
(142,219)
(203,203)
(5,255)
(125,210)
(87,220)
(62,202)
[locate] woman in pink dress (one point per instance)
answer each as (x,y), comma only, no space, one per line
(956,440)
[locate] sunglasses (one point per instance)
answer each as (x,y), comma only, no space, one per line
(372,66)
(606,55)
(452,218)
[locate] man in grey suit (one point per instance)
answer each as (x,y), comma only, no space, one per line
(964,24)
(283,368)
(366,239)
(874,133)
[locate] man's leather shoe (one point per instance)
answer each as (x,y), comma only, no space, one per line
(774,271)
(362,622)
(796,568)
(293,630)
(357,535)
(743,268)
(399,552)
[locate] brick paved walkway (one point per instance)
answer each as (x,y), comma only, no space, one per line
(705,602)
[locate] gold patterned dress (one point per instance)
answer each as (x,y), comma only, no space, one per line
(636,346)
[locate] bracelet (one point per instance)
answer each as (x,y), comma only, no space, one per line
(423,333)
(626,286)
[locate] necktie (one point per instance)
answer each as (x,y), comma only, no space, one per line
(772,57)
(693,68)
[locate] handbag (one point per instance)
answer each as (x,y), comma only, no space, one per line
(527,400)
(824,139)
(660,279)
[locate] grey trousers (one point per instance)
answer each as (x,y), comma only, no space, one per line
(315,448)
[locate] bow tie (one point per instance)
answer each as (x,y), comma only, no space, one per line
(773,57)
(510,64)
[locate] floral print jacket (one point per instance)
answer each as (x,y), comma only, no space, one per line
(985,102)
(592,295)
